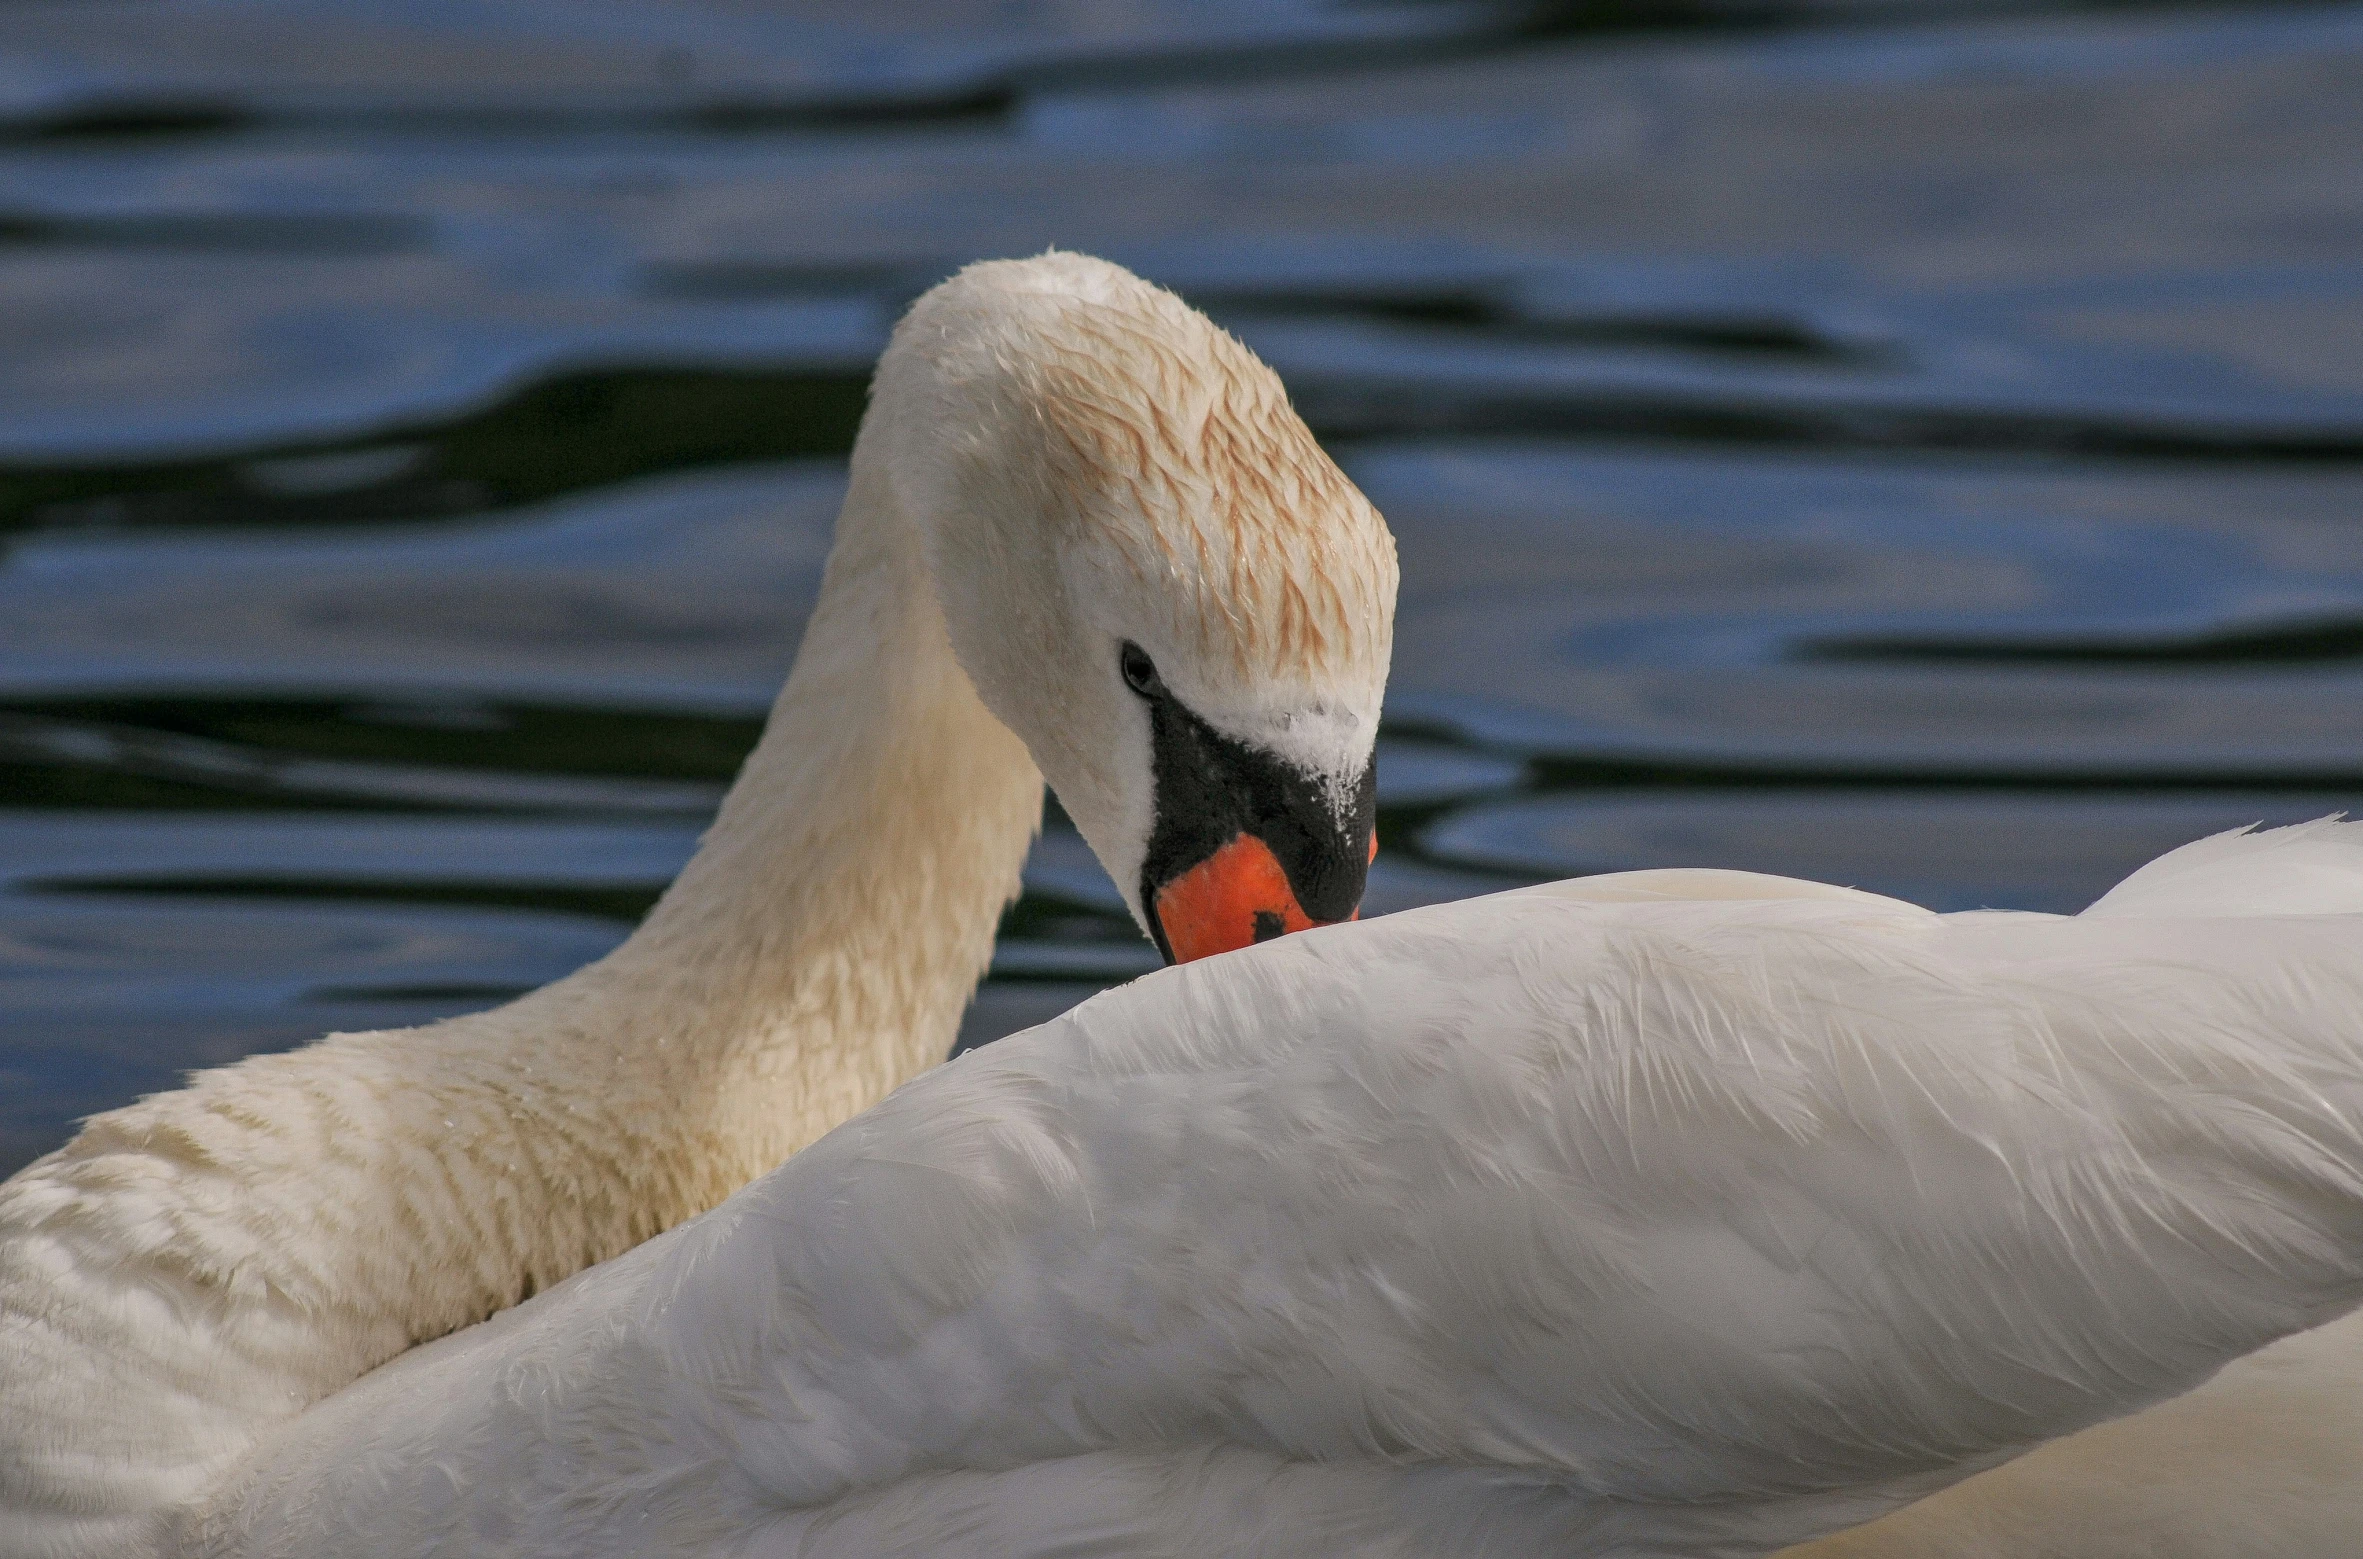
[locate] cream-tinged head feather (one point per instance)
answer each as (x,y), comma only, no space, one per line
(1092,462)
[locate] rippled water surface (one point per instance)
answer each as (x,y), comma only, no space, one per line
(1917,445)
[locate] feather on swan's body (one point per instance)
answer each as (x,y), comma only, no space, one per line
(2264,1461)
(1671,1214)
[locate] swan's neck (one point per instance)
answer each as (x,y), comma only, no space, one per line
(391,1187)
(819,949)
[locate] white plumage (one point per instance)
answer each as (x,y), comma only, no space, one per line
(1678,1213)
(2264,1461)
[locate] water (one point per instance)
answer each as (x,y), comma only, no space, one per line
(1908,444)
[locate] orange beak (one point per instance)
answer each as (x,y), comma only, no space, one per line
(1236,897)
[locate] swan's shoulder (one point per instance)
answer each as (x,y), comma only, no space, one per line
(1701,884)
(1742,1205)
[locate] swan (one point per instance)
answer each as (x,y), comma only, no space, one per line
(1085,538)
(1676,1213)
(1668,1214)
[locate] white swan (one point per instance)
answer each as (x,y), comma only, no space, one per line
(1678,1214)
(1075,506)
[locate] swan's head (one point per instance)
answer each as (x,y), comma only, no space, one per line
(1155,577)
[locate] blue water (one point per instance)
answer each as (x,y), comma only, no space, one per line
(1911,444)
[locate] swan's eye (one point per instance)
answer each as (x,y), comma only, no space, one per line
(1140,672)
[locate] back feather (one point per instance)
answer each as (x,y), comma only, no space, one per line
(2305,869)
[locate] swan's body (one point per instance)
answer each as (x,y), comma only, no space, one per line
(1681,1214)
(1084,530)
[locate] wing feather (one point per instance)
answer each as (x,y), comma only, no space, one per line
(1708,1225)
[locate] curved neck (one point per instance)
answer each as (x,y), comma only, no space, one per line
(820,947)
(393,1186)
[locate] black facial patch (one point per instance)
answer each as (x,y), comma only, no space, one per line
(1212,788)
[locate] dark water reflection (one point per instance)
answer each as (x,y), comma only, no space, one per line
(1912,445)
